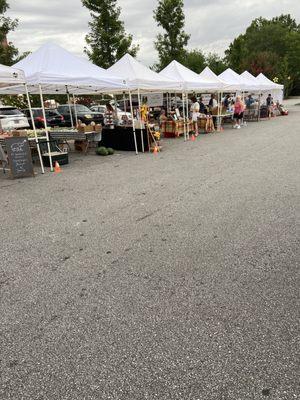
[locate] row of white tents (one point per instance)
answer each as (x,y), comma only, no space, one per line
(53,70)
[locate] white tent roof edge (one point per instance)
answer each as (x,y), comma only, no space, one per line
(54,68)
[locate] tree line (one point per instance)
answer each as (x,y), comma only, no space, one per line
(271,46)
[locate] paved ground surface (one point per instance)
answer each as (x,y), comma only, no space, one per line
(156,277)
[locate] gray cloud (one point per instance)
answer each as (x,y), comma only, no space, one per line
(212,24)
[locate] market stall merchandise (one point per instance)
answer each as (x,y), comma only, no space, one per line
(190,82)
(171,128)
(141,79)
(84,138)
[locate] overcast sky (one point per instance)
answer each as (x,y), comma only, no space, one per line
(212,23)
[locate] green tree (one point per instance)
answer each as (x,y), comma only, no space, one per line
(263,61)
(170,45)
(194,60)
(107,41)
(269,46)
(8,52)
(215,63)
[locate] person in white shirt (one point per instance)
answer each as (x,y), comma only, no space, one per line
(195,108)
(213,102)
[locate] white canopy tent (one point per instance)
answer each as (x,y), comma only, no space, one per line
(189,80)
(54,68)
(141,79)
(234,81)
(255,85)
(10,76)
(275,89)
(216,82)
(14,78)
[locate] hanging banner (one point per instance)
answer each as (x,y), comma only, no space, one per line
(155,99)
(205,98)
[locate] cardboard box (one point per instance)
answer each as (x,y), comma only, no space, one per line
(19,133)
(85,129)
(98,128)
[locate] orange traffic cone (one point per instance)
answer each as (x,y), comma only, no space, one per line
(57,168)
(193,138)
(155,150)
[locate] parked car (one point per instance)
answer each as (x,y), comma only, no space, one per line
(53,118)
(84,114)
(99,109)
(12,118)
(122,115)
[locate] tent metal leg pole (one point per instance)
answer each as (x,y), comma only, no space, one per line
(70,108)
(167,100)
(46,127)
(187,117)
(141,121)
(243,100)
(220,95)
(75,110)
(133,123)
(116,109)
(124,101)
(34,129)
(183,115)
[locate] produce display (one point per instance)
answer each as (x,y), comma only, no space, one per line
(103,151)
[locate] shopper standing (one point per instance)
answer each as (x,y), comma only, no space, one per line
(195,108)
(269,102)
(238,115)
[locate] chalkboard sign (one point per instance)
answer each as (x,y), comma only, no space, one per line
(19,156)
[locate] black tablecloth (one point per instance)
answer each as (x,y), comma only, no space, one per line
(121,138)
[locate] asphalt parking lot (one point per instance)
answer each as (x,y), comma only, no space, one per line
(169,276)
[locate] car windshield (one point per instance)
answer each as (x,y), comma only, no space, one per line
(51,113)
(81,108)
(99,108)
(10,111)
(37,112)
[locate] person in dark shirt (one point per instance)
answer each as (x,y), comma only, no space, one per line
(249,101)
(226,101)
(202,106)
(269,102)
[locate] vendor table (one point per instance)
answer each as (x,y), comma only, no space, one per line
(172,129)
(220,119)
(251,114)
(82,140)
(122,138)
